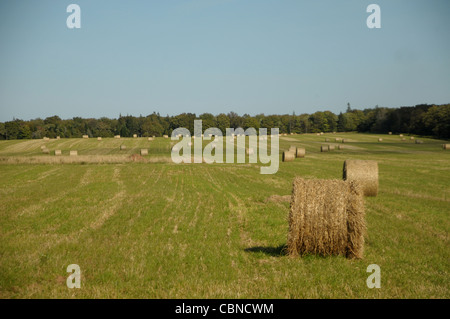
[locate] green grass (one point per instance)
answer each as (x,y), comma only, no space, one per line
(161,230)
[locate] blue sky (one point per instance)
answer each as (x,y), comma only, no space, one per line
(248,56)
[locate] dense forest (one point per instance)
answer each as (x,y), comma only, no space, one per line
(428,120)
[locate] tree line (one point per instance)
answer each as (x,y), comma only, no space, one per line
(423,119)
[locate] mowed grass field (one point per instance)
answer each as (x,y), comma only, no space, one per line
(164,230)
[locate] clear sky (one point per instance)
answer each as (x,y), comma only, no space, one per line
(248,56)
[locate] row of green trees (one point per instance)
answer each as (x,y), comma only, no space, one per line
(424,119)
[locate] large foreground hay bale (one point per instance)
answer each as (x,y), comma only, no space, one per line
(300,152)
(73,153)
(326,217)
(58,152)
(364,172)
(446,146)
(324,148)
(288,156)
(144,151)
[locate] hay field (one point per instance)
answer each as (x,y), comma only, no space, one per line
(162,230)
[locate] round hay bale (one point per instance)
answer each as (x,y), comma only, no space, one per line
(144,151)
(123,147)
(446,146)
(292,149)
(390,133)
(344,140)
(58,137)
(324,148)
(85,136)
(380,140)
(46,138)
(99,138)
(419,142)
(45,151)
(73,153)
(58,152)
(365,173)
(331,147)
(340,147)
(134,135)
(326,217)
(166,136)
(300,152)
(288,156)
(150,139)
(401,135)
(116,136)
(43,147)
(338,139)
(403,139)
(411,138)
(318,134)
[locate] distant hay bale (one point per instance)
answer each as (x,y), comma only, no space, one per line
(340,147)
(326,217)
(446,146)
(344,140)
(403,139)
(123,147)
(45,151)
(365,173)
(324,148)
(331,147)
(288,156)
(73,153)
(85,136)
(318,134)
(58,137)
(419,142)
(144,151)
(380,140)
(43,146)
(166,136)
(116,136)
(46,138)
(411,138)
(99,138)
(134,135)
(300,152)
(338,139)
(321,133)
(401,135)
(390,133)
(150,139)
(58,152)
(292,149)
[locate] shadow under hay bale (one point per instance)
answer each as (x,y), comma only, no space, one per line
(365,173)
(300,152)
(288,156)
(326,218)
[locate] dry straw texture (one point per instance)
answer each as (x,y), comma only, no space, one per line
(324,148)
(73,153)
(45,151)
(365,173)
(401,135)
(288,156)
(331,147)
(345,140)
(144,152)
(58,152)
(326,218)
(85,136)
(166,136)
(99,138)
(446,146)
(150,139)
(300,152)
(340,147)
(116,136)
(292,149)
(380,140)
(123,147)
(58,137)
(134,135)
